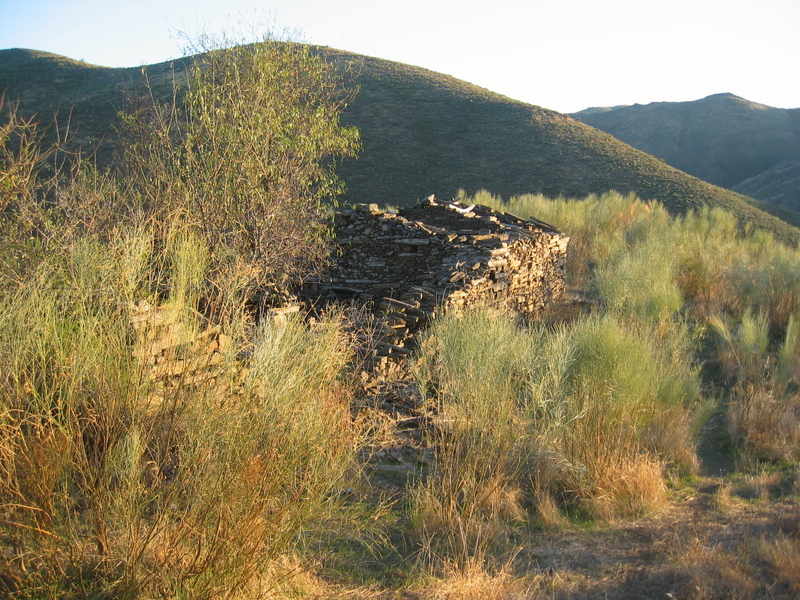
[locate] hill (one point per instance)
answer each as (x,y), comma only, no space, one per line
(722,139)
(84,97)
(422,133)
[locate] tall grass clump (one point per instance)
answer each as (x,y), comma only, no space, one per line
(25,178)
(586,418)
(765,395)
(115,484)
(260,463)
(609,405)
(68,395)
(641,281)
(705,243)
(766,277)
(473,488)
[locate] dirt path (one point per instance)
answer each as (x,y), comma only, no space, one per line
(705,544)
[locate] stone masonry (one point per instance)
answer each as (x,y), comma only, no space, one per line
(407,267)
(439,256)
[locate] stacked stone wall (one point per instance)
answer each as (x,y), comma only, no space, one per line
(440,256)
(407,267)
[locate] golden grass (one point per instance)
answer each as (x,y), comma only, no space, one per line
(475,582)
(629,488)
(783,556)
(547,512)
(713,572)
(768,426)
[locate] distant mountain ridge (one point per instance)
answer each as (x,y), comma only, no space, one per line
(723,139)
(422,133)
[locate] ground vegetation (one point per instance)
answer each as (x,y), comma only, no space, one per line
(639,439)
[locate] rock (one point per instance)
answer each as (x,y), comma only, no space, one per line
(461,259)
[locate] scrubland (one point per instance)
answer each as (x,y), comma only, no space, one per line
(640,439)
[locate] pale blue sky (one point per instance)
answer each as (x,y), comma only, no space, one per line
(564,55)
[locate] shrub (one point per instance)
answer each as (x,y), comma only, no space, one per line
(641,282)
(473,487)
(588,415)
(245,156)
(609,409)
(764,404)
(114,483)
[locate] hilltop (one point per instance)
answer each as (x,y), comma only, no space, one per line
(422,132)
(723,139)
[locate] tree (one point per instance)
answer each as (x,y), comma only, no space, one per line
(245,155)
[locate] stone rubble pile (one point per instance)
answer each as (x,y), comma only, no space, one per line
(406,268)
(438,256)
(173,352)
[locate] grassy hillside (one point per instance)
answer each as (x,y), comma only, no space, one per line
(164,438)
(85,97)
(723,139)
(422,133)
(778,185)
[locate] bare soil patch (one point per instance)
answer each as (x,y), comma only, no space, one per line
(705,544)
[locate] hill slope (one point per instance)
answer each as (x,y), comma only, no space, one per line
(723,139)
(85,97)
(422,133)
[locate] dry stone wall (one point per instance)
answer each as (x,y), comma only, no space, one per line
(407,267)
(173,352)
(440,256)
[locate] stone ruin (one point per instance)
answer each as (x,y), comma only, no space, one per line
(434,257)
(407,268)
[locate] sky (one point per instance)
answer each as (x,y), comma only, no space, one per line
(565,55)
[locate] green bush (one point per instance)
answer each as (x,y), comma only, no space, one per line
(607,398)
(641,281)
(115,483)
(588,415)
(245,156)
(473,488)
(764,399)
(121,478)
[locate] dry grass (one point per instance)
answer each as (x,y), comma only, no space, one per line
(473,488)
(712,572)
(547,511)
(767,427)
(628,488)
(604,479)
(474,582)
(781,552)
(195,492)
(723,498)
(783,556)
(764,411)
